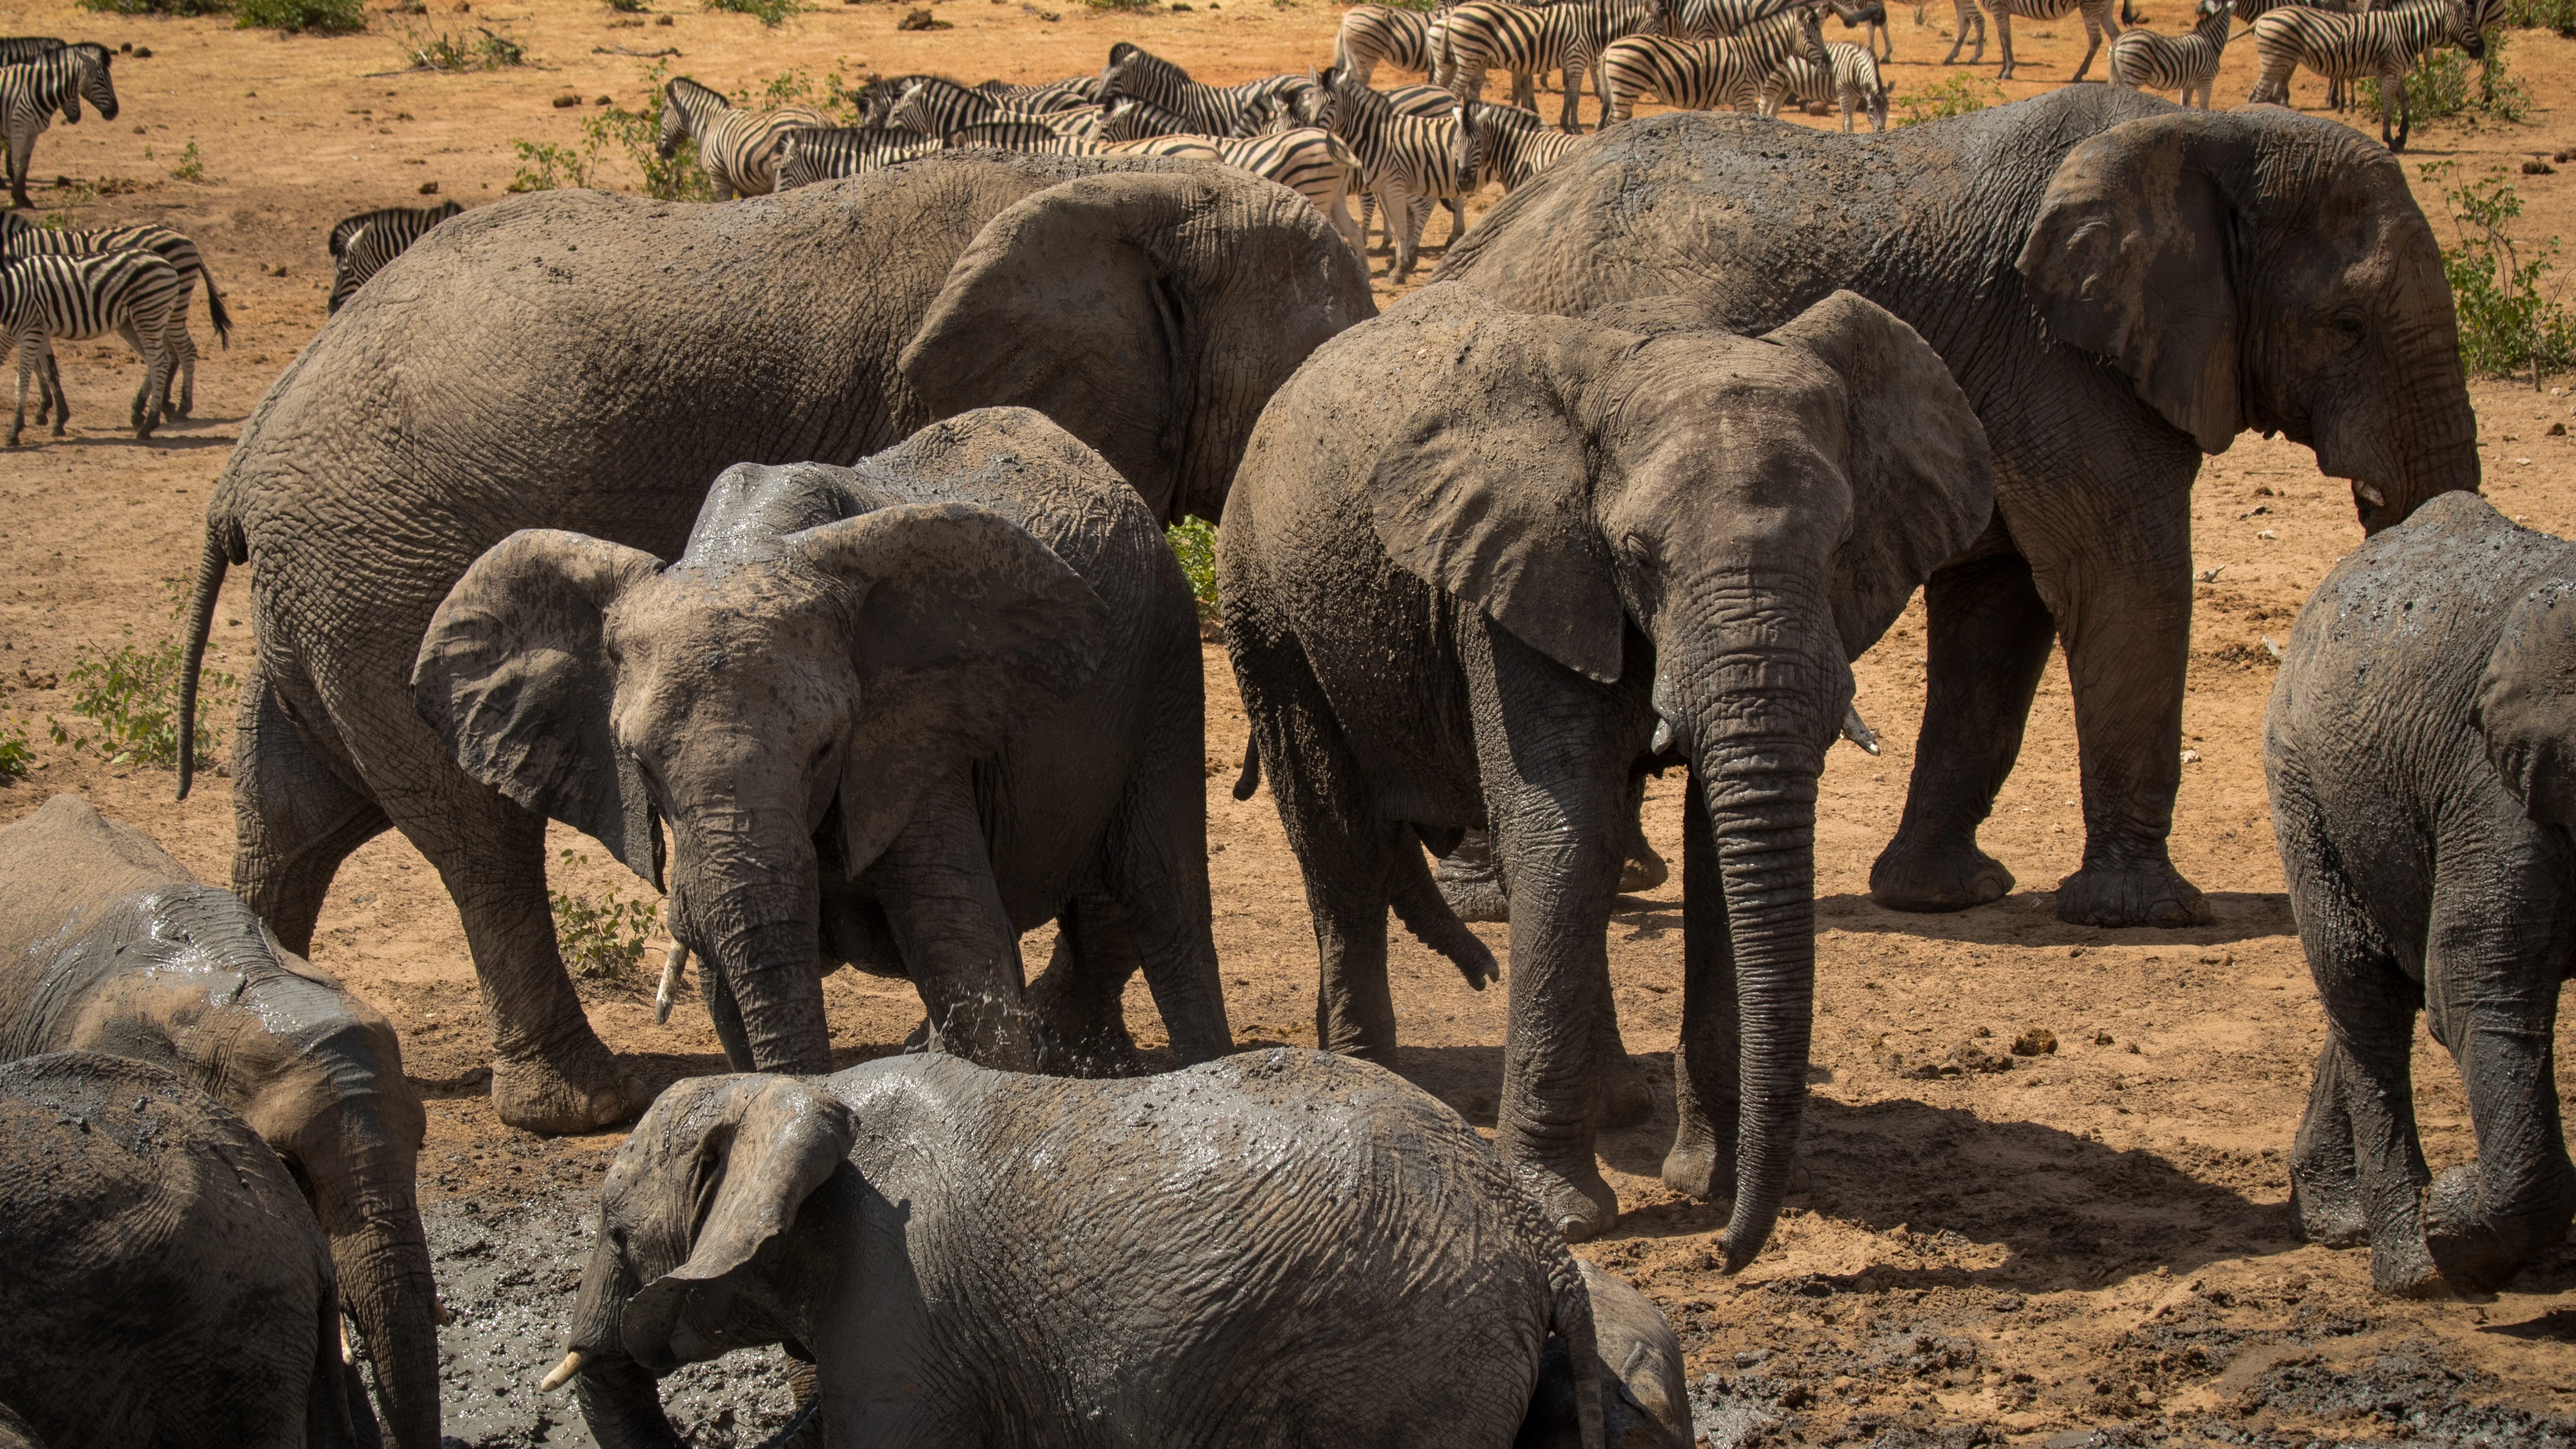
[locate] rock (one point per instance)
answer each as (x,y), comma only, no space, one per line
(566,101)
(2538,168)
(1970,1057)
(427,188)
(2039,1041)
(921,20)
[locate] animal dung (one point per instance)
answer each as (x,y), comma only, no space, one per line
(921,20)
(2039,1041)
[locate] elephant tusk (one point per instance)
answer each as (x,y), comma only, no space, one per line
(2370,494)
(563,1373)
(1856,730)
(672,966)
(346,1356)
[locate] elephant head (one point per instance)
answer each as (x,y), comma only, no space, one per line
(1760,510)
(2249,269)
(1152,314)
(782,695)
(694,1256)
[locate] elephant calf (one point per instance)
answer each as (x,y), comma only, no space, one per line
(906,710)
(1279,1248)
(164,1284)
(109,945)
(2421,751)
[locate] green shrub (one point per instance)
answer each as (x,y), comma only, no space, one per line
(2558,15)
(2507,324)
(328,17)
(544,166)
(2442,87)
(768,12)
(132,696)
(444,52)
(1193,542)
(15,757)
(1957,96)
(159,7)
(602,941)
(191,166)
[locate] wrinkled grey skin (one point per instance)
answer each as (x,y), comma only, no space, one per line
(1483,567)
(1645,1399)
(2120,286)
(1280,1248)
(109,945)
(165,1283)
(906,711)
(2421,751)
(590,362)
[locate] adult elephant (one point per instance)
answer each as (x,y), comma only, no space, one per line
(107,944)
(591,362)
(2119,285)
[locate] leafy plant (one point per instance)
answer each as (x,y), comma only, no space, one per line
(545,166)
(1193,542)
(327,17)
(1122,4)
(771,13)
(602,941)
(2441,86)
(15,757)
(444,52)
(2508,324)
(2558,15)
(132,696)
(159,7)
(191,166)
(1956,96)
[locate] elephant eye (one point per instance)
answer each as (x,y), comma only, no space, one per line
(2348,322)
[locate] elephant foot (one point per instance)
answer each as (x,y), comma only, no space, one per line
(2327,1217)
(555,1099)
(2143,895)
(2476,1253)
(2405,1270)
(1644,871)
(1925,875)
(1580,1206)
(1627,1098)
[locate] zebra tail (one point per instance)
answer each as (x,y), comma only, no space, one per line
(215,313)
(201,618)
(1427,916)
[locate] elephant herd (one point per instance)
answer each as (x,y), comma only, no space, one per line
(807,553)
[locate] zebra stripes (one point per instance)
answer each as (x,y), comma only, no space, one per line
(1130,119)
(1069,94)
(2383,45)
(939,108)
(1402,159)
(1703,75)
(30,93)
(1511,145)
(20,237)
(134,294)
(2142,60)
(737,149)
(1716,19)
(1374,33)
(1871,14)
(362,244)
(2098,26)
(1852,82)
(1489,34)
(1207,110)
(20,49)
(828,154)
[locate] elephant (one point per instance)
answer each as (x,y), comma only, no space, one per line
(1483,567)
(1268,1249)
(1645,1398)
(2121,286)
(109,945)
(2421,757)
(590,362)
(166,1284)
(905,710)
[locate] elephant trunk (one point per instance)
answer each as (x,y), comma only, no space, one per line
(2424,433)
(756,920)
(623,1405)
(387,1290)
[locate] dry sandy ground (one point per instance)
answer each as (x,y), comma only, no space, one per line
(2096,1238)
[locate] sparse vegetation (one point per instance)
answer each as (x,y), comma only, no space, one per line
(1956,96)
(2443,87)
(15,758)
(627,7)
(2558,15)
(545,166)
(190,166)
(131,696)
(1194,544)
(2508,324)
(771,13)
(326,17)
(441,51)
(159,7)
(616,131)
(601,941)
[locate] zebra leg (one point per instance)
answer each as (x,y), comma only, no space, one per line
(51,380)
(1409,213)
(2097,23)
(185,347)
(26,355)
(22,147)
(2003,37)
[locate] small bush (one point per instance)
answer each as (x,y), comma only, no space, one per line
(2507,324)
(444,52)
(603,941)
(191,166)
(326,17)
(1957,96)
(159,7)
(627,7)
(15,757)
(771,13)
(1193,542)
(544,166)
(132,696)
(2558,15)
(2442,87)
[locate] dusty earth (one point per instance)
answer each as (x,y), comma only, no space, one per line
(2090,1247)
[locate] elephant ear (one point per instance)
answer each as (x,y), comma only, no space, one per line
(738,1156)
(2526,704)
(1485,493)
(963,627)
(1922,479)
(2130,260)
(513,679)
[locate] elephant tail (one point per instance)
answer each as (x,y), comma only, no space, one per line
(1250,779)
(1418,903)
(223,542)
(1572,1322)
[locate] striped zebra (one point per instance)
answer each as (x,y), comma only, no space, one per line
(1704,75)
(20,237)
(1852,83)
(2142,60)
(20,49)
(830,153)
(2098,27)
(1871,14)
(1026,137)
(1374,33)
(1968,17)
(1402,159)
(876,99)
(737,149)
(1131,119)
(1208,110)
(136,295)
(1716,19)
(2383,45)
(1512,145)
(1070,94)
(31,91)
(362,244)
(937,108)
(1490,34)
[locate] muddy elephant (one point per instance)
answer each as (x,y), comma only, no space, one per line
(905,710)
(109,945)
(1637,1362)
(2120,286)
(1270,1249)
(165,1282)
(1482,567)
(2421,752)
(590,362)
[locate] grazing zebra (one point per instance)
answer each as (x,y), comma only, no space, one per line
(1512,145)
(2142,60)
(2098,27)
(1374,33)
(133,294)
(1716,19)
(1852,83)
(1070,94)
(20,237)
(1873,15)
(737,149)
(828,154)
(1402,159)
(1207,110)
(1704,75)
(1489,34)
(2383,45)
(31,91)
(362,244)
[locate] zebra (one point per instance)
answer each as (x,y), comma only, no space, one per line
(877,98)
(21,237)
(31,91)
(1132,119)
(1968,17)
(936,108)
(1852,82)
(826,154)
(2384,45)
(134,294)
(1485,34)
(1873,15)
(1374,33)
(1512,145)
(1070,94)
(1715,19)
(1027,137)
(2098,26)
(1402,159)
(1703,75)
(737,149)
(20,49)
(1209,110)
(362,244)
(2142,60)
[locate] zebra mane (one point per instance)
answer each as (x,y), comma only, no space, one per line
(680,85)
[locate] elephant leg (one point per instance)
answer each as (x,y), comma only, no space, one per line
(948,920)
(2325,1177)
(1708,1060)
(1471,880)
(1077,1006)
(725,1011)
(295,818)
(1990,634)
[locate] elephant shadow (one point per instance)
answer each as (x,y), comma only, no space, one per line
(2029,918)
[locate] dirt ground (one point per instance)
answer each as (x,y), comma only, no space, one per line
(2092,1246)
